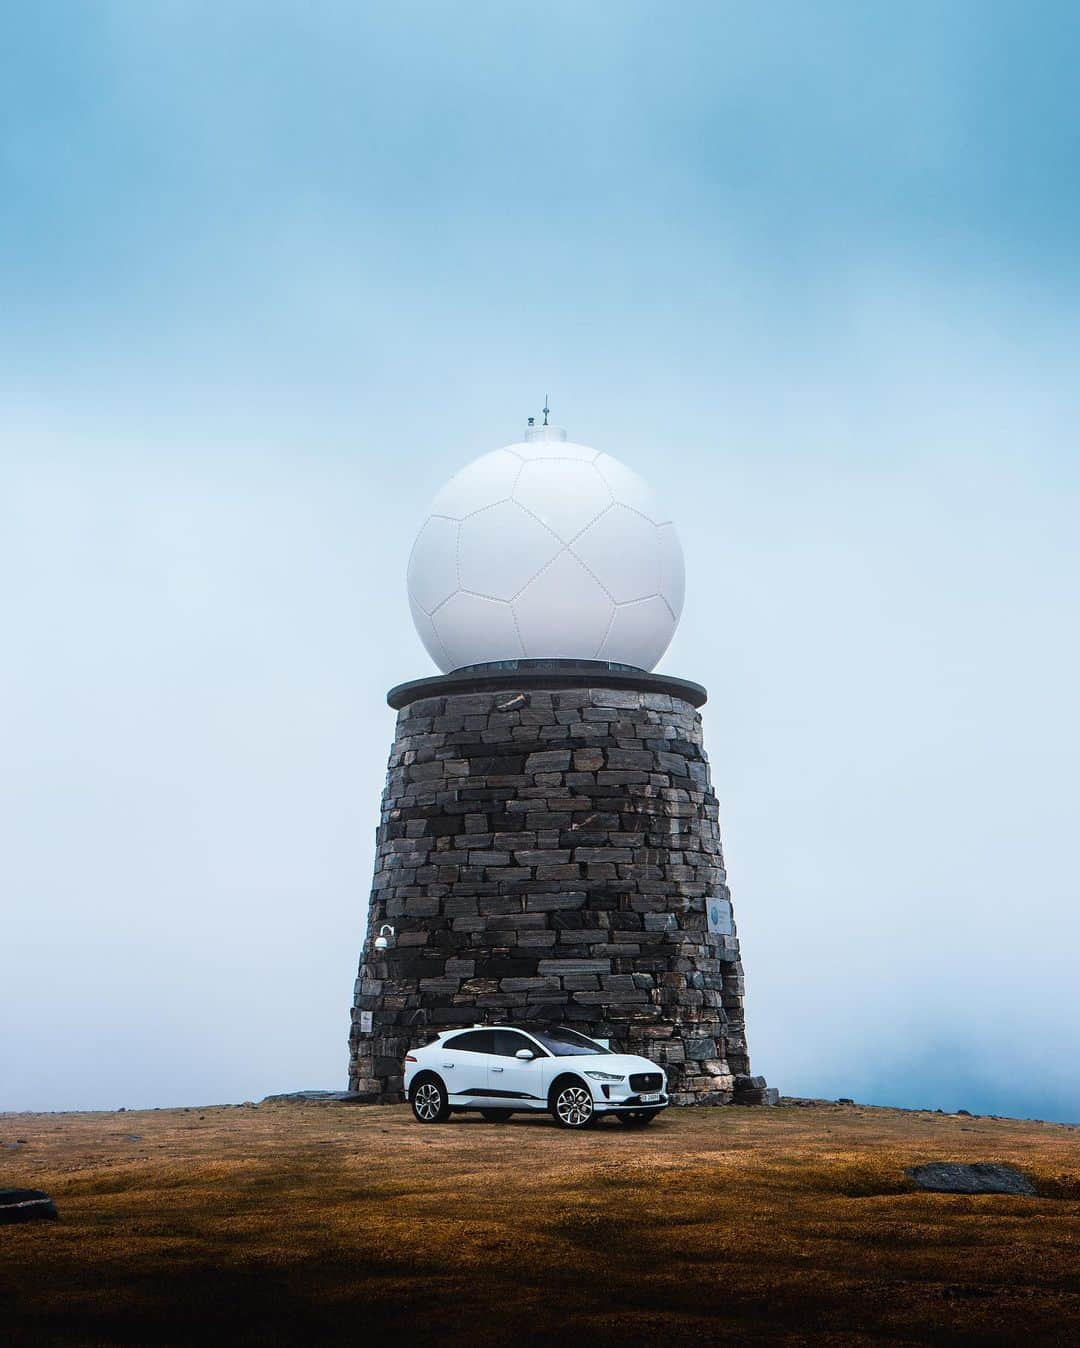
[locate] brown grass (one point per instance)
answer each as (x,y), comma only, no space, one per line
(284,1224)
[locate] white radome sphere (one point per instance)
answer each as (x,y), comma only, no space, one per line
(546,549)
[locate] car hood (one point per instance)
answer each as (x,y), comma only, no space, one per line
(622,1064)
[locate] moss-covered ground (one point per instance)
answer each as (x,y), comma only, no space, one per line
(333,1223)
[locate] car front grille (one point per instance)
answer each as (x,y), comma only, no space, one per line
(646,1081)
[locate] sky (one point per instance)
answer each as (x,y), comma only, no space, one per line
(270,273)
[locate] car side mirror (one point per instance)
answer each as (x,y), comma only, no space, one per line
(525,1054)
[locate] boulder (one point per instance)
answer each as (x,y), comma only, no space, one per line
(26,1205)
(754,1091)
(952,1177)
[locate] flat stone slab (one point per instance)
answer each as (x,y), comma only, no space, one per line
(26,1205)
(319,1097)
(951,1177)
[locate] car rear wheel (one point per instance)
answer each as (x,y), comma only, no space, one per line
(636,1118)
(496,1115)
(572,1105)
(429,1101)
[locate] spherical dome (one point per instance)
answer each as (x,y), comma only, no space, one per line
(546,549)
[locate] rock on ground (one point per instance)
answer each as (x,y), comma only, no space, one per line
(26,1205)
(317,1097)
(949,1177)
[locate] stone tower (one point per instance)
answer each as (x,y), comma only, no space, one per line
(549,846)
(549,849)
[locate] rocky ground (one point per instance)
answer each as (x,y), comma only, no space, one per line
(328,1222)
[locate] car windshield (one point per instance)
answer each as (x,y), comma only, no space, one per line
(566,1043)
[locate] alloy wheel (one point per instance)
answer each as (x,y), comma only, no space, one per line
(427,1102)
(574,1107)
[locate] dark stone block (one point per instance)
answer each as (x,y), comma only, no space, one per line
(951,1177)
(548,760)
(549,902)
(701,1048)
(26,1205)
(505,968)
(631,758)
(414,966)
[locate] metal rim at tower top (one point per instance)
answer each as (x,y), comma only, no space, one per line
(546,549)
(544,674)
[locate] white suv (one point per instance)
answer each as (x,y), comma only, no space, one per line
(503,1069)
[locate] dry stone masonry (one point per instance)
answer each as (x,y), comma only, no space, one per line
(546,854)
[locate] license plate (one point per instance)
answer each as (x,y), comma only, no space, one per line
(651,1098)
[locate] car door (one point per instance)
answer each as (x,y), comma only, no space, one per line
(463,1064)
(510,1080)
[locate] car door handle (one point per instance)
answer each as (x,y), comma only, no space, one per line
(497,1069)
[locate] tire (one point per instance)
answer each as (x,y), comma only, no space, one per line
(637,1118)
(496,1115)
(429,1100)
(572,1104)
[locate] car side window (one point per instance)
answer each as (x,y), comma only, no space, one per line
(507,1043)
(472,1041)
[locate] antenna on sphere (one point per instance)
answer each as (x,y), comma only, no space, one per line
(546,409)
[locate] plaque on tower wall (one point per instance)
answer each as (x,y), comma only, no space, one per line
(719,917)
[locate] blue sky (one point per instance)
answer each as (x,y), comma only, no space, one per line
(270,273)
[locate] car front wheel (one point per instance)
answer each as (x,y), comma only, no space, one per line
(429,1101)
(573,1106)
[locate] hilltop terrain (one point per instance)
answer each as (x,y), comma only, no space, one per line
(323,1223)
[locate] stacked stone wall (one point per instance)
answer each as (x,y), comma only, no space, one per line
(547,855)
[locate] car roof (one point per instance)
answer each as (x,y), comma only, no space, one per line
(529,1026)
(458,1029)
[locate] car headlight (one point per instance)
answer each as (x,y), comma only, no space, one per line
(604,1076)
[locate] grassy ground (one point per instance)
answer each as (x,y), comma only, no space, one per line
(331,1223)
